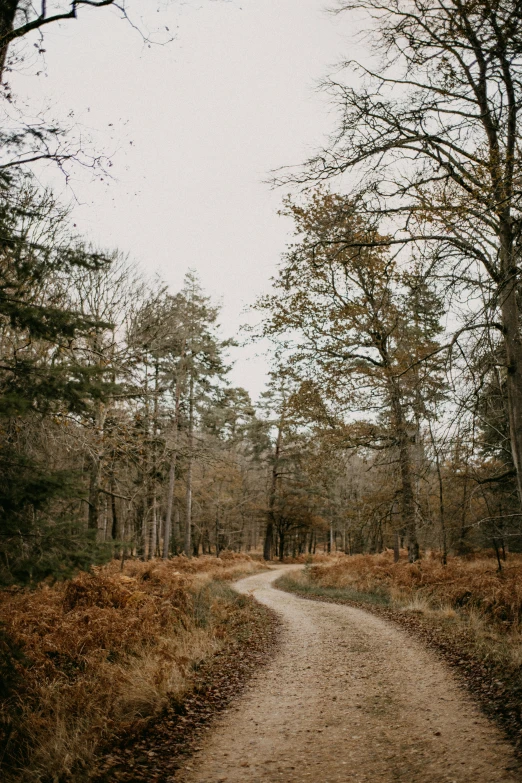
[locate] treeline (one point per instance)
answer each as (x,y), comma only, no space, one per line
(121,435)
(408,441)
(120,432)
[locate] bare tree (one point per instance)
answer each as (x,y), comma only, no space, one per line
(20,17)
(432,130)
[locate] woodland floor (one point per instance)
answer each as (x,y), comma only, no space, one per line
(348,697)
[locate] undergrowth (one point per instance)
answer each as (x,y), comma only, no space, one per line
(93,657)
(468,592)
(464,585)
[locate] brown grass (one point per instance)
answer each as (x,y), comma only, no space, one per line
(319,557)
(103,652)
(464,585)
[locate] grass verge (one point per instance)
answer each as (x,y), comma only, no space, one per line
(468,614)
(292,584)
(157,751)
(100,656)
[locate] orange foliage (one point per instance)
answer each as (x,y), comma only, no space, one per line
(104,650)
(461,584)
(317,558)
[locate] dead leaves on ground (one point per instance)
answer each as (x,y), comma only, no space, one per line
(164,745)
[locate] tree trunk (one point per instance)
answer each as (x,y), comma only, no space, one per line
(114,529)
(408,499)
(396,547)
(407,492)
(270,524)
(188,509)
(154,526)
(187,546)
(96,467)
(442,520)
(7,16)
(513,346)
(463,528)
(145,532)
(154,467)
(94,493)
(177,531)
(172,471)
(170,503)
(218,547)
(281,545)
(269,537)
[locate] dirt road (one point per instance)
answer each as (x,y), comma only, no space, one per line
(349,697)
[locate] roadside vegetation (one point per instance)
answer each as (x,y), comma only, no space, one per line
(102,654)
(466,587)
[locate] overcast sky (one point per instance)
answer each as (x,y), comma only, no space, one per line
(194,128)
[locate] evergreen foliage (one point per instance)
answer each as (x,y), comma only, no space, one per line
(41,376)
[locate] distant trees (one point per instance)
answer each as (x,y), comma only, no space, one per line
(113,397)
(202,368)
(119,430)
(414,436)
(185,420)
(360,335)
(275,403)
(120,433)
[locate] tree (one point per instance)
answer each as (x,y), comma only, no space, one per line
(180,361)
(292,502)
(44,380)
(18,18)
(105,295)
(275,399)
(432,131)
(205,366)
(346,318)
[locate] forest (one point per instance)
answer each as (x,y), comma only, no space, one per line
(123,438)
(391,416)
(391,421)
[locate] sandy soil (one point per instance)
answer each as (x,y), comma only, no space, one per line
(349,697)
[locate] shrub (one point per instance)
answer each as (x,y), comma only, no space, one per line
(463,583)
(90,657)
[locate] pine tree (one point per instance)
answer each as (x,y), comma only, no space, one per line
(42,376)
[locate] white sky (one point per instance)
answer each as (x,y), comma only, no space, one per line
(195,127)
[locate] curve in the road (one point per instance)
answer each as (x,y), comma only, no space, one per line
(349,697)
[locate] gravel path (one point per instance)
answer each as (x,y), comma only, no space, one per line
(349,697)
